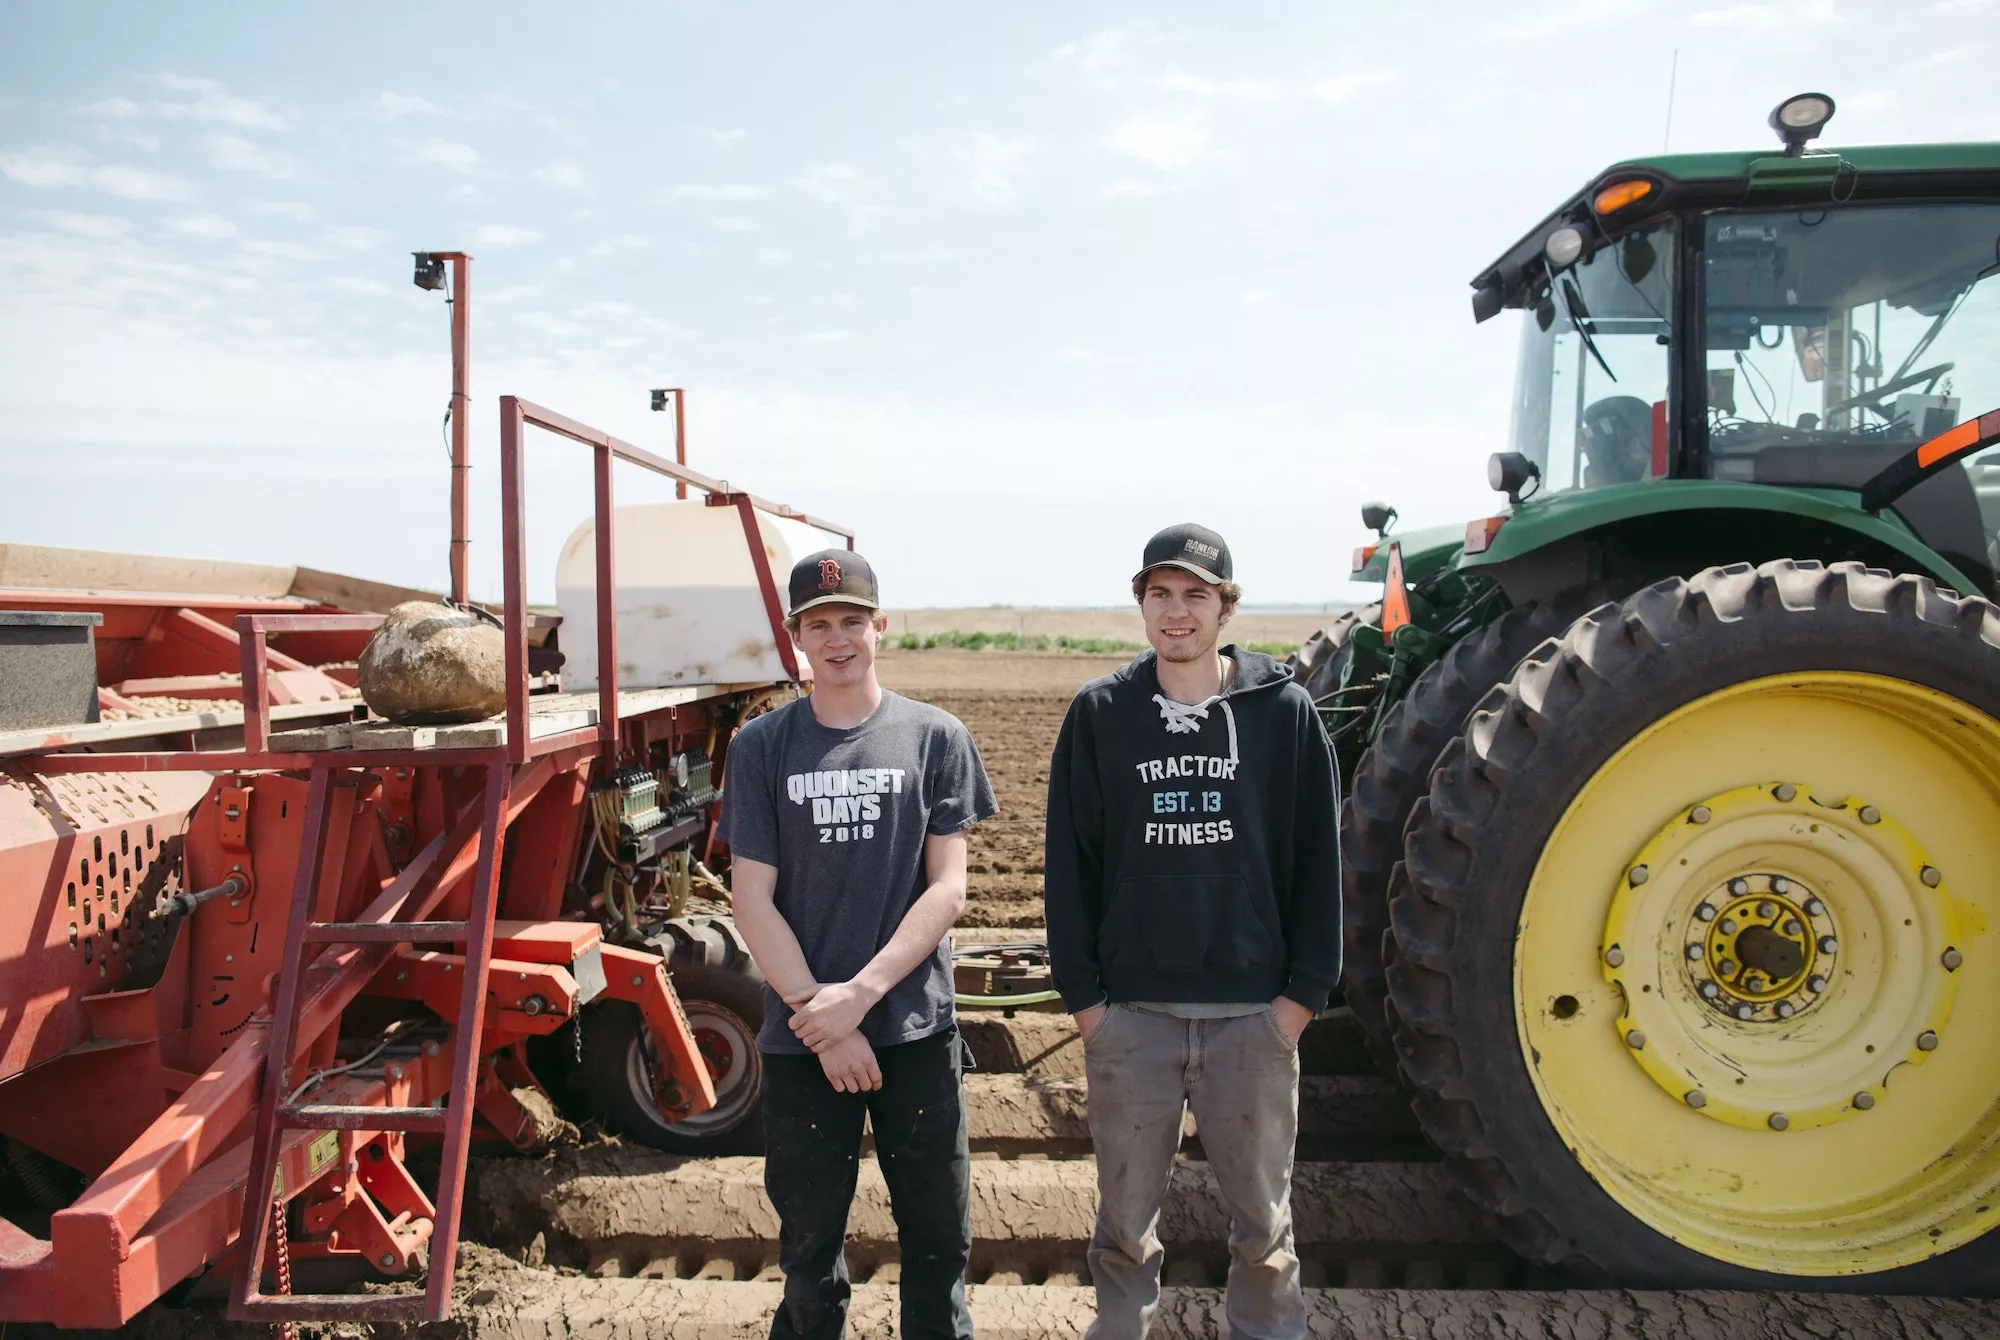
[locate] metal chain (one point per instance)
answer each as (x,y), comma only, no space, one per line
(576,1031)
(283,1254)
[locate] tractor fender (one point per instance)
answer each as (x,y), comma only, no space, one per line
(1668,527)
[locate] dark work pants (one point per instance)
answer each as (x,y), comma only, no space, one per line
(812,1137)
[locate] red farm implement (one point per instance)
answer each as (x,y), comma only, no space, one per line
(264,957)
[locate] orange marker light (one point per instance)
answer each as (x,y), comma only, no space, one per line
(1620,194)
(1479,534)
(1362,554)
(1396,597)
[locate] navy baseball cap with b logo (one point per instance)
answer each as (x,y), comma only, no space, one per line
(1196,548)
(833,576)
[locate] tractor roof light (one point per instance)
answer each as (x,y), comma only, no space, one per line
(1800,119)
(1563,247)
(429,270)
(1612,198)
(1510,472)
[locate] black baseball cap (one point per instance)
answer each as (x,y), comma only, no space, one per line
(1196,548)
(833,576)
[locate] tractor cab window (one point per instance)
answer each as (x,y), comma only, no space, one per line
(1837,340)
(1590,396)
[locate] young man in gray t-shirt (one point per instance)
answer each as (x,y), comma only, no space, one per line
(846,813)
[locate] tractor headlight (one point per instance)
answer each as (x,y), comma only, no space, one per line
(1563,247)
(1799,120)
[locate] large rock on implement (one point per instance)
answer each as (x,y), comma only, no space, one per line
(430,665)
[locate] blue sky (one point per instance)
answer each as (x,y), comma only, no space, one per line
(1005,287)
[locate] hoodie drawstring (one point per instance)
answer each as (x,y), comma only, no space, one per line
(1187,718)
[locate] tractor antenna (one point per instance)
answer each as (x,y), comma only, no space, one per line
(1673,73)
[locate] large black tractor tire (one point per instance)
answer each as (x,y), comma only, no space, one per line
(1395,773)
(722,993)
(1544,1104)
(1317,663)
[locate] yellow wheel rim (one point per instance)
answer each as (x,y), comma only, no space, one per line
(1752,982)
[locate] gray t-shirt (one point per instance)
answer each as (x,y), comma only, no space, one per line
(843,815)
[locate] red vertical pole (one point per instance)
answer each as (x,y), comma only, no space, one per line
(467,1030)
(607,611)
(680,439)
(514,577)
(256,689)
(767,583)
(461,448)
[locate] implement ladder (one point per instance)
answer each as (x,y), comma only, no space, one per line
(263,1206)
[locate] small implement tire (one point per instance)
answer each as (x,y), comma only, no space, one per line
(724,1003)
(1756,812)
(1317,664)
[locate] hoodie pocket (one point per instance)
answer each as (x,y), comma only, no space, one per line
(1187,924)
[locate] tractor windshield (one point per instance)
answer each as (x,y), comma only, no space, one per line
(1838,339)
(1590,396)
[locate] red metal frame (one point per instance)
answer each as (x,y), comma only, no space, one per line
(516,415)
(175,1197)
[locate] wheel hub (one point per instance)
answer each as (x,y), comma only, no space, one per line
(1761,947)
(1729,939)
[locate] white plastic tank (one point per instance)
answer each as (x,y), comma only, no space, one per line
(688,607)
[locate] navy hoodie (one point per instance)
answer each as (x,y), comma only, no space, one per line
(1193,853)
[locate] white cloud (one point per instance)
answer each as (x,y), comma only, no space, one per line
(210,227)
(829,182)
(199,100)
(1245,90)
(349,238)
(1338,88)
(447,154)
(1074,355)
(1252,297)
(134,184)
(772,256)
(1101,56)
(1170,141)
(393,105)
(732,136)
(725,191)
(622,242)
(284,209)
(1763,18)
(101,227)
(828,336)
(1127,189)
(1568,16)
(986,167)
(236,154)
(566,176)
(503,235)
(284,251)
(736,225)
(45,165)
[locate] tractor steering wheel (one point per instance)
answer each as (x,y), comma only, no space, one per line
(1871,400)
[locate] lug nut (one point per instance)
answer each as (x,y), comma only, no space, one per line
(1636,1040)
(1767,910)
(1729,925)
(1694,953)
(1786,792)
(1639,875)
(1705,912)
(1863,1101)
(1927,1041)
(1828,945)
(1870,815)
(1727,967)
(1951,959)
(1815,908)
(1739,887)
(1696,1098)
(1709,990)
(534,1005)
(1778,1121)
(1816,984)
(1698,815)
(1792,926)
(1780,885)
(1786,1009)
(1615,956)
(1931,876)
(1744,1011)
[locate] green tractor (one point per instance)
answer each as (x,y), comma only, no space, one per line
(1673,829)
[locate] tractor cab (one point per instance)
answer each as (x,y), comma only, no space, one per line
(1798,319)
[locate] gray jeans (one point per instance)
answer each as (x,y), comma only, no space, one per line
(1242,1076)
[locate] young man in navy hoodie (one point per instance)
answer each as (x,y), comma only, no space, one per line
(1193,898)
